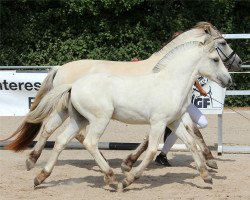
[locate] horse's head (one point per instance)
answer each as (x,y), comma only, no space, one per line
(212,67)
(230,59)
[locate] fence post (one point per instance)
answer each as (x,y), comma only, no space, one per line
(220,147)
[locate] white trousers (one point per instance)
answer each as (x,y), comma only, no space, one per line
(197,117)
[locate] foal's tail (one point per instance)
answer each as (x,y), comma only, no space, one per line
(57,98)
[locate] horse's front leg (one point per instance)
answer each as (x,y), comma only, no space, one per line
(181,131)
(96,129)
(155,133)
(53,122)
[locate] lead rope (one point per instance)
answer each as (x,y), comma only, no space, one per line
(230,108)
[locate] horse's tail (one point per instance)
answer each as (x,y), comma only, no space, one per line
(57,98)
(46,86)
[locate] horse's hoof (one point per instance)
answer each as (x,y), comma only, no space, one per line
(29,164)
(37,182)
(114,185)
(212,164)
(120,187)
(111,181)
(41,177)
(125,167)
(208,180)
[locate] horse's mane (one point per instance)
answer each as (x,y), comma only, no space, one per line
(206,25)
(183,35)
(162,63)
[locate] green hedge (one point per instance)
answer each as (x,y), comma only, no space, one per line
(53,32)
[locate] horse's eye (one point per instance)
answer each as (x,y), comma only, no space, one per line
(223,43)
(216,59)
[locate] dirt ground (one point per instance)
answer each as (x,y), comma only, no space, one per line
(76,175)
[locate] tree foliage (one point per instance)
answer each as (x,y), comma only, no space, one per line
(53,32)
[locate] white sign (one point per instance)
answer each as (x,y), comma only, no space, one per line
(212,103)
(17,91)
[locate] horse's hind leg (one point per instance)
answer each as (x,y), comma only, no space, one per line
(76,123)
(210,161)
(53,122)
(194,131)
(128,162)
(181,131)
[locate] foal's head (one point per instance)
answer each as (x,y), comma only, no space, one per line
(212,67)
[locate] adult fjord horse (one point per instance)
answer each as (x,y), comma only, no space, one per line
(97,98)
(70,72)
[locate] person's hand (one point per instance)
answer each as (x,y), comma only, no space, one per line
(203,93)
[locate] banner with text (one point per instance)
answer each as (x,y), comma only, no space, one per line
(18,89)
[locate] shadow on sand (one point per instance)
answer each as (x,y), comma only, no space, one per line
(149,181)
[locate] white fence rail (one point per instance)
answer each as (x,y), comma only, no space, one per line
(237,36)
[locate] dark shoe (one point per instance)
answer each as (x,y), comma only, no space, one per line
(166,134)
(162,160)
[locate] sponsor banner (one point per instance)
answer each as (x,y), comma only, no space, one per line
(206,104)
(18,89)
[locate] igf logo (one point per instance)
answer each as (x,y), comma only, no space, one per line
(197,99)
(200,102)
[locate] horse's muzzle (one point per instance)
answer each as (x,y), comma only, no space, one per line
(225,81)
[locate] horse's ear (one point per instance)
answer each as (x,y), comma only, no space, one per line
(207,29)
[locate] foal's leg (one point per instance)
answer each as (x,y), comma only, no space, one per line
(156,131)
(96,129)
(210,161)
(76,123)
(194,132)
(54,121)
(128,162)
(181,131)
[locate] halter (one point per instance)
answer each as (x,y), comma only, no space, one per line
(227,58)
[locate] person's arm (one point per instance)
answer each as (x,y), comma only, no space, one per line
(199,87)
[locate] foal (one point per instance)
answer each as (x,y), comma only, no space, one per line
(95,99)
